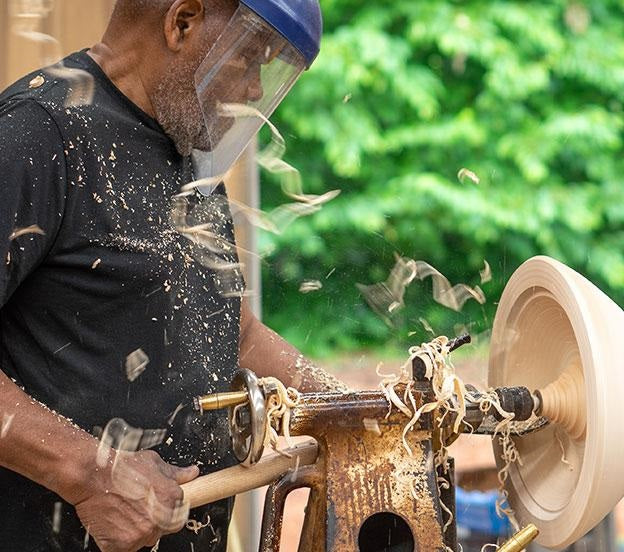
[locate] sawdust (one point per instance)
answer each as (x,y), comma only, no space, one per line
(304,371)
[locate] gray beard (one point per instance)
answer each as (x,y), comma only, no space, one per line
(178,111)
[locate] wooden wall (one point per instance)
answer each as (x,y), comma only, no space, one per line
(75,24)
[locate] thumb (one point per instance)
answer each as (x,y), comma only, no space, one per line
(184,475)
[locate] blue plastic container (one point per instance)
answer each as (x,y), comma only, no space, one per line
(476,512)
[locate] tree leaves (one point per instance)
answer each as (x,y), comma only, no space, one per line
(529,95)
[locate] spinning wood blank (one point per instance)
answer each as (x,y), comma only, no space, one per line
(556,332)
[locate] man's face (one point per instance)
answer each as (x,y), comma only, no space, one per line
(238,81)
(175,101)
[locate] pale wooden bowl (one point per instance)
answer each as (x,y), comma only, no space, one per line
(552,321)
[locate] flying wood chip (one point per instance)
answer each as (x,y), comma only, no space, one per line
(34,229)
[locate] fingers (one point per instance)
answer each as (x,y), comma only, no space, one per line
(184,475)
(168,519)
(145,501)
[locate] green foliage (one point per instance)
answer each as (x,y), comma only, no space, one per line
(528,95)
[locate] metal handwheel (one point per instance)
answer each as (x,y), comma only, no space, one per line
(248,421)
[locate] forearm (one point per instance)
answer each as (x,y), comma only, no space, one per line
(42,445)
(267,354)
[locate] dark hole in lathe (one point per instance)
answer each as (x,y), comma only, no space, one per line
(385,532)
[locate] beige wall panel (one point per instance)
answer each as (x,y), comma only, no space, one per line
(75,24)
(80,23)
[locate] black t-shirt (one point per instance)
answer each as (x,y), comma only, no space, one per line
(111,285)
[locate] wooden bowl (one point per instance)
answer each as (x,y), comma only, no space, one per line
(551,322)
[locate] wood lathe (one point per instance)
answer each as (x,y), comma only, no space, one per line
(371,493)
(367,492)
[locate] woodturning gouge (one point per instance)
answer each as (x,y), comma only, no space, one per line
(368,494)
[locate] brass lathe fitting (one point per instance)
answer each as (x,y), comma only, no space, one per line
(217,401)
(520,540)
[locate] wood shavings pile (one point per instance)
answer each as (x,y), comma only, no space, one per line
(278,411)
(449,390)
(450,398)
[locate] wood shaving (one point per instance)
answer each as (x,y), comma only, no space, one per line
(197,526)
(371,425)
(466,174)
(308,286)
(293,475)
(7,420)
(136,363)
(278,411)
(387,298)
(452,297)
(37,82)
(486,273)
(33,229)
(443,483)
(56,517)
(451,396)
(564,460)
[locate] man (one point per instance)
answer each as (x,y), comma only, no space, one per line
(115,310)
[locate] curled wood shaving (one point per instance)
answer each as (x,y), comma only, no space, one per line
(466,174)
(279,407)
(564,460)
(271,158)
(386,298)
(197,526)
(486,273)
(452,297)
(443,483)
(450,396)
(33,229)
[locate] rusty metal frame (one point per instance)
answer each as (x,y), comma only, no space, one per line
(361,473)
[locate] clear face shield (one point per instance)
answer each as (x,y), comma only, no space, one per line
(241,82)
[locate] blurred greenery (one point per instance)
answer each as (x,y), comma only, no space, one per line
(528,95)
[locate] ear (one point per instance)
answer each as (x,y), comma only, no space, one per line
(181,19)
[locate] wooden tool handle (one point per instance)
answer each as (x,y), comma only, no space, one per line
(239,479)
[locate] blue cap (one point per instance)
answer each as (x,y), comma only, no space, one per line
(298,21)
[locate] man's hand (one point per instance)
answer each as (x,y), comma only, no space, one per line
(134,500)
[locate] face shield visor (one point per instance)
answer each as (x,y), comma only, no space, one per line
(241,82)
